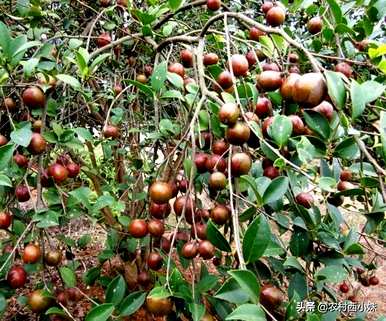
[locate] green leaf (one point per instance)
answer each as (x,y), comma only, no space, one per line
(362,94)
(3,303)
(132,303)
(347,149)
(100,313)
(142,87)
(327,184)
(232,292)
(248,282)
(276,189)
(318,123)
(69,80)
(336,88)
(332,274)
(26,46)
(116,290)
(197,311)
(22,136)
(5,181)
(248,312)
(159,76)
(336,11)
(56,311)
(6,153)
(172,94)
(98,61)
(5,40)
(253,184)
(217,238)
(175,80)
(68,276)
(175,4)
(29,66)
(382,131)
(306,151)
(280,129)
(256,239)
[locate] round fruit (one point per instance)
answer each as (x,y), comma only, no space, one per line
(38,301)
(141,78)
(255,34)
(103,39)
(159,306)
(288,85)
(213,4)
(297,124)
(5,220)
(33,97)
(269,80)
(177,68)
(200,162)
(224,79)
(305,199)
(314,25)
(326,109)
(344,68)
(238,134)
(148,70)
(203,214)
(16,277)
(187,81)
(240,65)
(217,181)
(189,250)
(22,193)
(251,58)
(37,145)
(154,261)
(174,188)
(62,298)
(3,140)
(31,253)
(220,147)
(309,88)
(271,66)
(263,107)
(159,211)
(266,123)
(344,186)
(144,279)
(206,250)
(365,282)
(241,163)
(160,192)
(156,228)
(53,258)
(200,230)
(220,214)
(183,185)
(122,3)
(270,296)
(346,175)
(21,160)
(293,58)
(204,139)
(344,288)
(73,294)
(165,244)
(58,172)
(9,104)
(373,280)
(216,162)
(271,172)
(229,113)
(267,5)
(184,204)
(73,170)
(46,180)
(138,228)
(186,57)
(210,59)
(275,16)
(111,131)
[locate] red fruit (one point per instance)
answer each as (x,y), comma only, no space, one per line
(62,297)
(73,170)
(216,162)
(346,175)
(271,172)
(104,3)
(305,199)
(111,131)
(203,214)
(255,33)
(293,58)
(229,113)
(220,214)
(103,39)
(220,147)
(144,279)
(326,109)
(344,288)
(177,68)
(159,211)
(373,280)
(3,140)
(117,89)
(352,298)
(33,97)
(154,261)
(58,172)
(240,65)
(73,294)
(314,25)
(186,57)
(275,16)
(156,228)
(188,80)
(206,138)
(297,124)
(309,89)
(213,4)
(365,282)
(22,193)
(263,107)
(38,301)
(200,229)
(224,79)
(241,163)
(269,80)
(165,244)
(5,220)
(21,160)
(122,3)
(271,66)
(238,134)
(160,192)
(200,162)
(270,296)
(9,104)
(251,57)
(266,163)
(189,250)
(37,145)
(46,180)
(174,188)
(138,228)
(266,123)
(344,186)
(267,5)
(183,202)
(360,270)
(31,253)
(183,185)
(344,68)
(16,277)
(362,45)
(217,181)
(210,59)
(206,250)
(288,85)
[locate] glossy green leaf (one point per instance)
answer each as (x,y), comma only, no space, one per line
(5,181)
(382,131)
(318,123)
(362,94)
(332,274)
(217,238)
(276,189)
(159,76)
(68,276)
(116,290)
(100,313)
(22,136)
(280,129)
(69,80)
(256,239)
(197,311)
(248,312)
(336,88)
(232,292)
(132,303)
(248,282)
(347,149)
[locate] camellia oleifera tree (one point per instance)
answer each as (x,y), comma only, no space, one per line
(234,153)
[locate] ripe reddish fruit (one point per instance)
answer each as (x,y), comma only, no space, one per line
(37,125)
(224,79)
(154,261)
(373,280)
(159,211)
(141,78)
(271,172)
(213,4)
(297,124)
(62,297)
(267,5)
(220,147)
(189,250)
(9,104)
(216,162)
(293,58)
(359,270)
(58,172)
(275,16)
(314,25)
(203,214)
(46,180)
(344,186)
(200,230)
(251,58)
(352,298)
(174,188)
(53,257)
(177,68)
(22,193)
(326,109)
(269,80)
(266,123)
(255,33)
(31,253)
(263,107)
(206,249)
(271,66)
(217,181)
(238,134)
(229,113)
(270,296)
(266,163)
(103,39)
(344,288)
(183,185)
(138,228)
(3,140)
(122,3)
(240,65)
(37,145)
(210,59)
(5,220)
(111,131)
(73,294)
(73,170)
(144,279)
(156,228)
(203,141)
(288,85)
(309,89)
(186,57)
(38,301)
(344,68)
(33,97)
(159,306)
(241,163)
(184,202)
(305,199)
(200,162)
(346,175)
(160,192)
(20,160)
(220,214)
(365,282)
(16,277)
(165,244)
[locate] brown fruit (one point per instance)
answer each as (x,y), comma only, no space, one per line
(174,188)
(305,199)
(141,78)
(207,317)
(200,229)
(138,228)
(271,172)
(103,39)
(144,279)
(111,131)
(255,33)
(37,125)
(238,134)
(241,163)
(203,214)
(267,5)
(154,261)
(269,80)
(309,89)
(270,296)
(213,4)
(229,113)
(159,211)
(38,301)
(220,147)
(9,104)
(344,186)
(293,58)
(275,16)
(210,59)
(186,57)
(189,250)
(240,65)
(46,180)
(266,123)
(326,109)
(165,244)
(53,258)
(73,294)
(62,298)
(220,214)
(183,202)
(37,145)
(22,193)
(373,280)
(217,181)
(160,192)
(21,160)
(206,249)
(156,228)
(122,3)
(266,163)
(344,68)
(17,277)
(3,140)
(73,170)
(159,306)
(224,79)
(344,288)
(203,141)
(5,220)
(251,57)
(297,124)
(216,162)
(200,162)
(288,85)
(263,107)
(104,3)
(177,68)
(270,66)
(346,175)
(183,185)
(33,97)
(315,25)
(31,253)
(58,172)
(365,281)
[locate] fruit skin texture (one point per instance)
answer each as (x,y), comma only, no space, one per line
(344,288)
(255,33)
(213,4)
(217,181)
(263,107)
(297,124)
(304,199)
(186,57)
(241,163)
(315,25)
(271,66)
(144,279)
(141,78)
(309,89)
(58,172)
(287,87)
(22,193)
(224,79)
(73,170)
(33,97)
(266,123)
(373,280)
(251,57)
(9,104)
(53,258)
(31,253)
(326,109)
(177,68)
(271,172)
(240,65)
(210,59)
(275,16)
(267,5)
(156,228)
(184,202)
(200,229)
(38,302)
(269,80)
(219,147)
(154,261)
(344,186)
(215,162)
(37,145)
(159,306)
(271,296)
(138,228)
(3,140)
(346,175)
(111,131)
(344,68)
(189,250)
(229,113)
(17,277)
(20,160)
(103,40)
(5,220)
(220,214)
(160,192)
(206,250)
(159,211)
(238,134)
